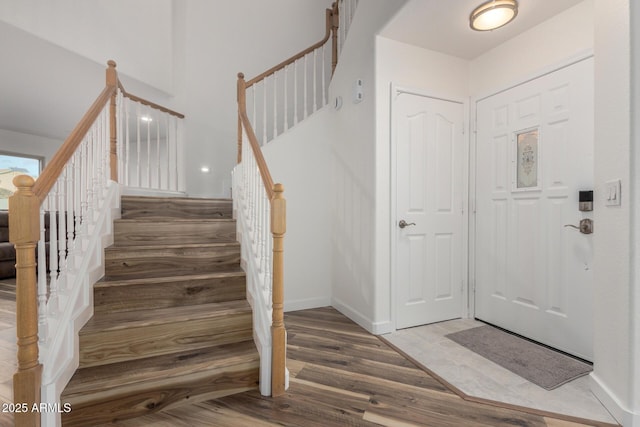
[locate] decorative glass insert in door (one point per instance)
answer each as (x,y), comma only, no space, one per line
(527,160)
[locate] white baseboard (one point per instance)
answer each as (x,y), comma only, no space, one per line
(376,328)
(135,191)
(619,411)
(305,304)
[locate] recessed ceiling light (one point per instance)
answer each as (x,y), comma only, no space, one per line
(146,119)
(493,14)
(205,169)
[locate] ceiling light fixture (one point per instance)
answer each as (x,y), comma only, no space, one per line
(146,119)
(493,14)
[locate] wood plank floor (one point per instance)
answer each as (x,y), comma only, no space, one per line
(340,376)
(8,362)
(343,376)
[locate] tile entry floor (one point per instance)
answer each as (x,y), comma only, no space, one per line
(479,377)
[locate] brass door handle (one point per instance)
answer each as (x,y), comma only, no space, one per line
(403,223)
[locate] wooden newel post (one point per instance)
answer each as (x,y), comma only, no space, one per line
(112,81)
(335,23)
(24,233)
(242,107)
(278,333)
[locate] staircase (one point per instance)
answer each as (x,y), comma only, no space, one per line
(171,322)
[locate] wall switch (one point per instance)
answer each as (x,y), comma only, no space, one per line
(612,193)
(358,91)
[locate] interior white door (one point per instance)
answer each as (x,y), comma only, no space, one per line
(428,189)
(534,153)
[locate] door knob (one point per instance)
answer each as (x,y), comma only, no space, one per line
(403,223)
(586,226)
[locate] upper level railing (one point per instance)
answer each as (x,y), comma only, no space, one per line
(67,203)
(289,92)
(268,105)
(150,154)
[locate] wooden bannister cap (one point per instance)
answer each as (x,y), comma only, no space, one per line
(23,182)
(111,63)
(241,75)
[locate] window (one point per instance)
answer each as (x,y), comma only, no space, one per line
(11,165)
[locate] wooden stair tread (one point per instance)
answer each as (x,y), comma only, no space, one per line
(193,200)
(98,379)
(170,220)
(173,246)
(169,279)
(136,319)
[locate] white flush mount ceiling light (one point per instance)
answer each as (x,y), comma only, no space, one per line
(493,14)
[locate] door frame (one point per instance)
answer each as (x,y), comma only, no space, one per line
(473,161)
(395,91)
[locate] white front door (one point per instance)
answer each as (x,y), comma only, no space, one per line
(534,153)
(428,141)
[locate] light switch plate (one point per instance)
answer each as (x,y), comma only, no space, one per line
(612,193)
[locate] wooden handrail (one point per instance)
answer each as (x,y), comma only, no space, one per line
(329,25)
(257,152)
(54,168)
(150,104)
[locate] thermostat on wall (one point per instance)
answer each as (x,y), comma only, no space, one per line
(358,93)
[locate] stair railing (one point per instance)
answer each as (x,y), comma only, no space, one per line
(151,153)
(278,99)
(260,208)
(289,92)
(63,221)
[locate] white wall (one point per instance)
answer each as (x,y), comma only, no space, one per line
(635,208)
(614,310)
(20,143)
(137,34)
(353,150)
(181,54)
(23,143)
(300,160)
(410,67)
(565,35)
(222,39)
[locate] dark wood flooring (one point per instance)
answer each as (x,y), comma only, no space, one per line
(340,376)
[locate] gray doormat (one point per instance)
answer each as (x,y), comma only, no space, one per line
(542,366)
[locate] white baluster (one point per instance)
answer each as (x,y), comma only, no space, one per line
(295,92)
(53,251)
(139,149)
(168,142)
(305,86)
(127,142)
(259,227)
(315,87)
(42,281)
(253,105)
(264,112)
(88,178)
(158,172)
(148,148)
(71,212)
(63,214)
(84,203)
(285,125)
(275,106)
(264,231)
(324,79)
